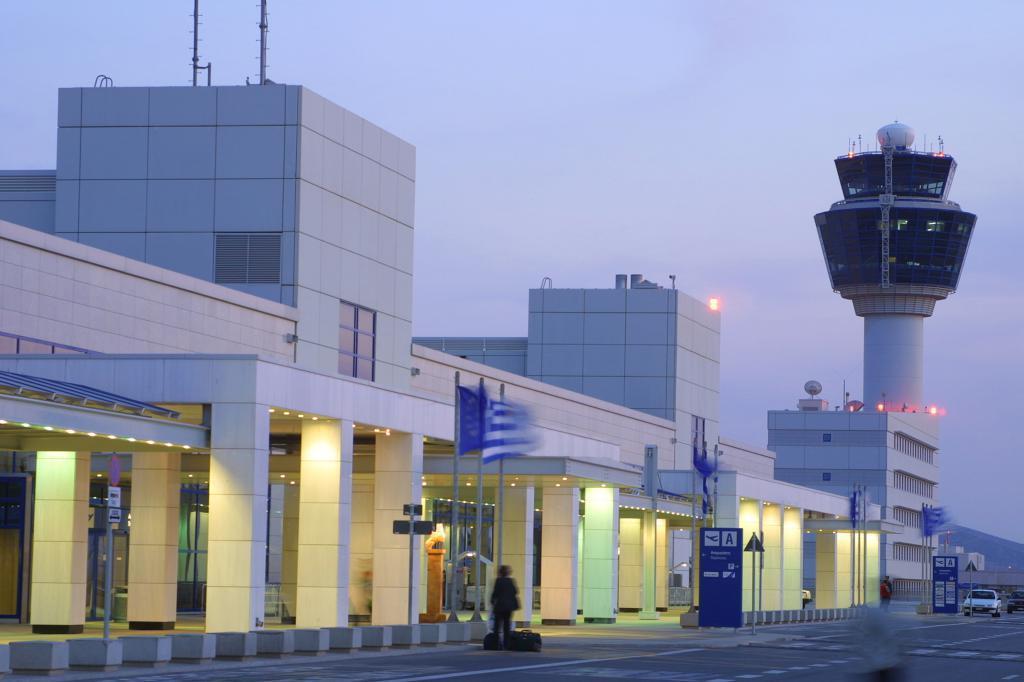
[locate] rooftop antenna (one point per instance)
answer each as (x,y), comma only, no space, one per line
(103,81)
(263,42)
(860,148)
(942,147)
(673,278)
(195,49)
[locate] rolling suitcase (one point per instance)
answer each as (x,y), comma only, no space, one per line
(524,640)
(491,642)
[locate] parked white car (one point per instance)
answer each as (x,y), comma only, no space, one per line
(982,601)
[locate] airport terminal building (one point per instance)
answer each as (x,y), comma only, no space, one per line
(214,289)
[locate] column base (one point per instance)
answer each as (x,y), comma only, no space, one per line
(600,621)
(57,629)
(557,621)
(662,609)
(629,609)
(648,615)
(150,625)
(287,620)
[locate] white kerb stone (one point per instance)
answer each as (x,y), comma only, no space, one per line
(432,634)
(193,647)
(311,641)
(376,636)
(457,632)
(275,643)
(405,635)
(95,653)
(146,650)
(345,638)
(39,657)
(235,645)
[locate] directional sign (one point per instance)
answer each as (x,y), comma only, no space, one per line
(721,577)
(412,509)
(944,579)
(402,527)
(754,544)
(113,504)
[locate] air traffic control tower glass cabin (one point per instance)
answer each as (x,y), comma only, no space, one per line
(894,246)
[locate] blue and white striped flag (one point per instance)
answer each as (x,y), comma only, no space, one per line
(508,431)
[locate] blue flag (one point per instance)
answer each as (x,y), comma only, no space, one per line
(854,508)
(931,519)
(508,431)
(472,415)
(706,468)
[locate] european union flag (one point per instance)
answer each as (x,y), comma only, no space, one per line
(472,413)
(931,519)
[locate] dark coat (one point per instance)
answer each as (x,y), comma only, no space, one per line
(505,596)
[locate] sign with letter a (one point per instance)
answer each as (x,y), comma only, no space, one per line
(721,578)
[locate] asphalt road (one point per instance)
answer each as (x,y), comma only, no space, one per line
(934,648)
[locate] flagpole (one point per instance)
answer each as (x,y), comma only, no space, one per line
(500,508)
(453,542)
(853,539)
(479,523)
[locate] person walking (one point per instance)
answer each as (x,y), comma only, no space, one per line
(504,600)
(885,592)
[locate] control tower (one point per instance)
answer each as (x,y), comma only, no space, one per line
(895,245)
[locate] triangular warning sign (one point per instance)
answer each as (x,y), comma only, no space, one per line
(971,566)
(754,544)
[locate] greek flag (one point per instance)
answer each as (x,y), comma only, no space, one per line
(508,431)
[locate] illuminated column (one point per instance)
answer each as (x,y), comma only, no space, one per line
(662,565)
(397,482)
(874,578)
(517,546)
(771,520)
(59,538)
(832,570)
(290,550)
(600,560)
(630,564)
(153,569)
(649,587)
(360,585)
(559,556)
(236,556)
(325,515)
(792,558)
(750,522)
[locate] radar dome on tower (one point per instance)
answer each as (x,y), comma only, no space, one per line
(898,135)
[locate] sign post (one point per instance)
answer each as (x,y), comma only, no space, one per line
(945,578)
(113,516)
(755,547)
(721,578)
(412,528)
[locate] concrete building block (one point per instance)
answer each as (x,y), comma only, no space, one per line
(193,647)
(5,659)
(477,631)
(344,638)
(376,637)
(275,643)
(457,632)
(95,653)
(39,658)
(235,645)
(146,650)
(432,634)
(311,641)
(405,635)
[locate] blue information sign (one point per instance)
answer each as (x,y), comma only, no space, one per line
(721,578)
(945,570)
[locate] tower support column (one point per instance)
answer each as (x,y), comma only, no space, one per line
(894,361)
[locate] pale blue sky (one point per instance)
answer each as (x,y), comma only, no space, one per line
(580,139)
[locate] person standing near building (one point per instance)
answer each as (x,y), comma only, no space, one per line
(504,600)
(885,592)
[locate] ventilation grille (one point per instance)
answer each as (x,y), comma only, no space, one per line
(28,183)
(248,259)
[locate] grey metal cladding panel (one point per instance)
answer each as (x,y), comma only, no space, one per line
(533,366)
(288,258)
(65,216)
(568,383)
(604,300)
(248,205)
(69,152)
(180,205)
(562,359)
(607,361)
(612,389)
(182,106)
(648,328)
(650,300)
(562,328)
(115,106)
(112,206)
(250,151)
(113,153)
(39,215)
(182,152)
(604,328)
(132,245)
(644,392)
(69,107)
(187,253)
(536,298)
(251,105)
(534,327)
(510,363)
(562,300)
(289,204)
(647,361)
(784,437)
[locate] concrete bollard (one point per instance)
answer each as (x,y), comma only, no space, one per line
(376,637)
(146,650)
(39,658)
(5,659)
(405,635)
(477,631)
(193,647)
(274,643)
(344,638)
(311,641)
(432,634)
(457,633)
(236,646)
(95,653)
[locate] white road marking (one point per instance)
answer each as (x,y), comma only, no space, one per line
(964,654)
(1008,657)
(798,667)
(1011,677)
(559,664)
(922,651)
(774,672)
(747,677)
(819,665)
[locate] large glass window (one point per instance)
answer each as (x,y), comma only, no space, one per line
(357,342)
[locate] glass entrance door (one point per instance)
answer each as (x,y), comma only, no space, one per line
(97,562)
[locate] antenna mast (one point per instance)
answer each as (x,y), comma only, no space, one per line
(263,42)
(886,200)
(195,49)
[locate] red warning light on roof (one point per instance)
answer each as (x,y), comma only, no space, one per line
(714,304)
(880,407)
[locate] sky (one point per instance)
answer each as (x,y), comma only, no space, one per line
(580,139)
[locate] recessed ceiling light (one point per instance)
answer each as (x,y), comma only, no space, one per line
(69,431)
(48,428)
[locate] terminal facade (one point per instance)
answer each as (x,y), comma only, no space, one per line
(216,286)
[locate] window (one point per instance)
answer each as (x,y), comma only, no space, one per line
(357,349)
(826,438)
(912,484)
(11,344)
(914,448)
(826,475)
